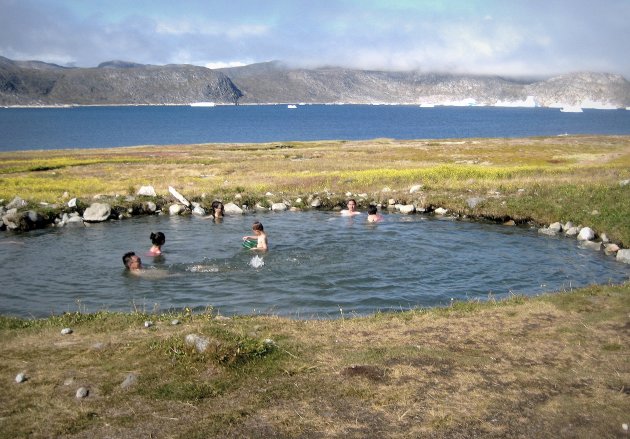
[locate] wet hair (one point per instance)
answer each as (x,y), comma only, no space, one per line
(372,210)
(216,204)
(127,258)
(258,226)
(158,238)
(353,200)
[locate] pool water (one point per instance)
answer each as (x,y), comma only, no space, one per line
(320,265)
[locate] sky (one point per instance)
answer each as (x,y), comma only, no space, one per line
(499,37)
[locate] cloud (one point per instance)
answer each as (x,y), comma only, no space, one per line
(533,37)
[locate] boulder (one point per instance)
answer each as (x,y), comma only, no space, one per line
(624,256)
(16,203)
(147,191)
(592,245)
(440,211)
(97,212)
(150,207)
(407,208)
(278,207)
(316,203)
(586,234)
(232,209)
(23,221)
(571,231)
(610,248)
(556,227)
(176,209)
(415,188)
(72,202)
(198,210)
(547,231)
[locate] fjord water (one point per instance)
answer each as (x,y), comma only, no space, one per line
(320,265)
(102,127)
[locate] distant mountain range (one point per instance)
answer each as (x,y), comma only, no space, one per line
(35,83)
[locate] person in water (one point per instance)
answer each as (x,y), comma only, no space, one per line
(157,239)
(259,235)
(218,210)
(132,261)
(351,208)
(373,215)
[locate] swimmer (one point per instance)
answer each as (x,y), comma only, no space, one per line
(373,215)
(351,210)
(218,210)
(132,262)
(259,235)
(157,239)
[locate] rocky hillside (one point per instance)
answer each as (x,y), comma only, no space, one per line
(272,82)
(118,82)
(33,83)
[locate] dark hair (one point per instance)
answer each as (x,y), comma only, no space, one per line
(216,204)
(127,257)
(353,200)
(258,226)
(158,238)
(372,210)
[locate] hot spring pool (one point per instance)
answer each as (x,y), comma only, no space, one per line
(319,265)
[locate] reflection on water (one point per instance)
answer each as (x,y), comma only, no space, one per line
(318,263)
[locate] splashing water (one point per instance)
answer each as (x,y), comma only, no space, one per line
(257,262)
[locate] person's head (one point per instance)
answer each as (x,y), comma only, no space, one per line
(372,210)
(352,204)
(132,261)
(217,209)
(158,238)
(258,227)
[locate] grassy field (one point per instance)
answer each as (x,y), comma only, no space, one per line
(553,366)
(544,179)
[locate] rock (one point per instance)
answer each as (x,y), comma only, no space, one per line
(16,203)
(407,208)
(232,209)
(150,207)
(179,197)
(624,183)
(440,211)
(278,207)
(72,202)
(316,203)
(509,223)
(391,202)
(568,225)
(129,381)
(610,248)
(586,234)
(175,322)
(572,231)
(82,392)
(624,256)
(148,323)
(97,212)
(604,238)
(20,377)
(474,201)
(66,331)
(23,221)
(260,208)
(147,191)
(547,231)
(415,188)
(201,344)
(176,209)
(348,194)
(198,210)
(592,245)
(556,227)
